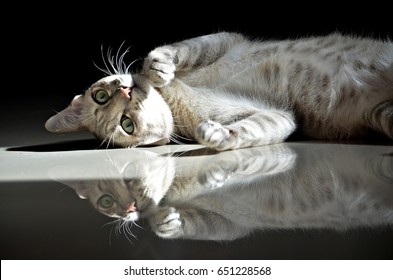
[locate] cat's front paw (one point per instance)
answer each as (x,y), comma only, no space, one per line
(214,135)
(214,175)
(167,223)
(159,67)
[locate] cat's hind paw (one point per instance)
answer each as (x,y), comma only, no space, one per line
(167,223)
(214,135)
(159,67)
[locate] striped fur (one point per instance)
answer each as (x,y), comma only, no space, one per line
(227,92)
(231,194)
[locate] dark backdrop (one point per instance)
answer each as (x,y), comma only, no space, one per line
(52,49)
(49,50)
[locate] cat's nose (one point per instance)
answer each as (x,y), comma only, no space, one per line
(131,207)
(125,91)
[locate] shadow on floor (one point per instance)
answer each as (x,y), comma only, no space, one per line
(86,144)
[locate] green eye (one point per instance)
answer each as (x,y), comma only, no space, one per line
(127,125)
(106,201)
(101,96)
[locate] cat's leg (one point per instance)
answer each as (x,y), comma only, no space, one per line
(380,118)
(192,223)
(246,164)
(261,128)
(208,175)
(161,64)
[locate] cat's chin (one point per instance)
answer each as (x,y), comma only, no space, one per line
(145,210)
(132,217)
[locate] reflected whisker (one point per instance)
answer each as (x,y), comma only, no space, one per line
(114,226)
(111,223)
(127,230)
(136,224)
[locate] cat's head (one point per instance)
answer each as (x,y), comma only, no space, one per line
(122,109)
(127,184)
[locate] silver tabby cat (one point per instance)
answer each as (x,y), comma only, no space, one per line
(227,92)
(228,195)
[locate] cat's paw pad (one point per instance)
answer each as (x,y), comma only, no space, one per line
(214,135)
(167,223)
(216,174)
(159,67)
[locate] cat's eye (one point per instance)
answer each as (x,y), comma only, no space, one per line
(127,125)
(101,96)
(106,201)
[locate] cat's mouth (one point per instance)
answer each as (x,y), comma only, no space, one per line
(132,212)
(127,92)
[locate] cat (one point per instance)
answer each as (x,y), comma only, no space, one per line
(229,195)
(227,91)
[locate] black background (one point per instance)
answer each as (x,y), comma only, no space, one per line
(49,50)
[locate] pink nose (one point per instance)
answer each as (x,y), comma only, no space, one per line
(125,92)
(131,207)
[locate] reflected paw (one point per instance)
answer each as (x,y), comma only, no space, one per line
(159,67)
(215,175)
(167,223)
(214,135)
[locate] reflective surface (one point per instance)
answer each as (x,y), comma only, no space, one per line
(297,200)
(42,217)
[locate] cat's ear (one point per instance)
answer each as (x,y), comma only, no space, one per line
(68,120)
(81,190)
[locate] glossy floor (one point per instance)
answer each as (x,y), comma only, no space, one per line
(296,200)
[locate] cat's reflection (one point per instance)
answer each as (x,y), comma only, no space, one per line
(230,194)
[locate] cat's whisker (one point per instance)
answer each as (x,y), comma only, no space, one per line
(110,138)
(137,225)
(108,141)
(116,224)
(110,236)
(102,143)
(127,70)
(102,70)
(172,139)
(111,160)
(113,140)
(114,227)
(119,59)
(110,223)
(126,229)
(175,138)
(108,71)
(182,137)
(110,60)
(118,228)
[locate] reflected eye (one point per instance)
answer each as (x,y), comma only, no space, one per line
(101,96)
(127,125)
(106,201)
